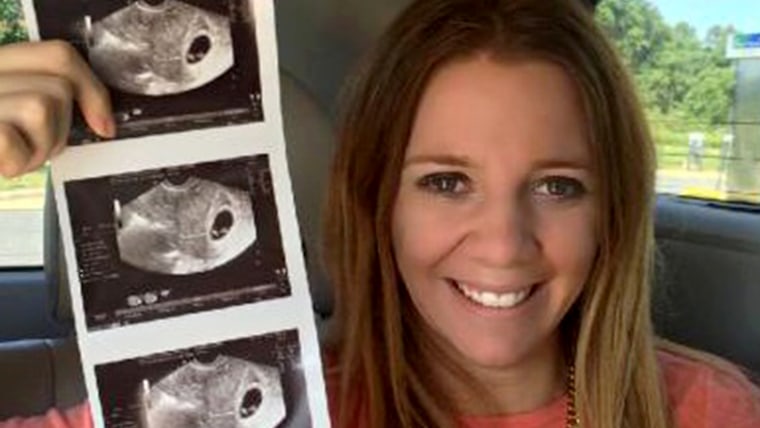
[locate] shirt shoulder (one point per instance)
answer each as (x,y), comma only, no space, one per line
(76,417)
(705,394)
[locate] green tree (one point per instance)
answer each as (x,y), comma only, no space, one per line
(679,77)
(637,28)
(11,22)
(711,98)
(672,75)
(716,41)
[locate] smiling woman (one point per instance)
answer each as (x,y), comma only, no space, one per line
(494,222)
(490,234)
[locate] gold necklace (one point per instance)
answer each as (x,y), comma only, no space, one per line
(572,415)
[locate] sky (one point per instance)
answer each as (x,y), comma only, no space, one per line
(703,14)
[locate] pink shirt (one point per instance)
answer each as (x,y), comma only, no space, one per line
(701,396)
(77,417)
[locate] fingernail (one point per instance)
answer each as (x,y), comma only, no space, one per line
(108,127)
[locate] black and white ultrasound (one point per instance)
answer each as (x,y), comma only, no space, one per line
(256,382)
(170,65)
(166,242)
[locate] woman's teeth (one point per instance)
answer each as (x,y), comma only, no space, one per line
(494,300)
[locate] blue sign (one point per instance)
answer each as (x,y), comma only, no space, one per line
(747,41)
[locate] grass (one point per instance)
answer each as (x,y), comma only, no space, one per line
(33,180)
(24,203)
(24,193)
(669,161)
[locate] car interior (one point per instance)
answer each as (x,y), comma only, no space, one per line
(706,287)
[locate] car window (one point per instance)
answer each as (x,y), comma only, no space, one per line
(697,69)
(21,199)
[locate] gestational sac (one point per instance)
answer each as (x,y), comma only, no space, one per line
(225,393)
(187,227)
(159,47)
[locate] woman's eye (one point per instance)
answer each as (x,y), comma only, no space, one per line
(560,188)
(445,183)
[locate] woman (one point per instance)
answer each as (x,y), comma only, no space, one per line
(466,107)
(489,234)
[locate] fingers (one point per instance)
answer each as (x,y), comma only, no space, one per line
(53,100)
(30,130)
(58,58)
(37,108)
(38,83)
(14,153)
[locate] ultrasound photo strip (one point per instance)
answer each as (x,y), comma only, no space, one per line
(170,65)
(181,237)
(165,242)
(253,382)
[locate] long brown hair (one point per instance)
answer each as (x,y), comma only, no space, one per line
(380,343)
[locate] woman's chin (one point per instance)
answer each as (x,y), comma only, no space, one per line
(489,356)
(499,355)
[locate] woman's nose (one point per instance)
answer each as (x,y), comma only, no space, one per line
(502,234)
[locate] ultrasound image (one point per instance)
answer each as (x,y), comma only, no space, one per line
(226,392)
(185,228)
(170,65)
(244,383)
(163,48)
(160,243)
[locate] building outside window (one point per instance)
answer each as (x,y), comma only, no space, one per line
(696,65)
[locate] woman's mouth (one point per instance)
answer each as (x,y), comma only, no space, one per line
(492,299)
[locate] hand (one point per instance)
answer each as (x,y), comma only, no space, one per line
(38,84)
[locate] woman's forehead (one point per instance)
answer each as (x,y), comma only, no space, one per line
(479,107)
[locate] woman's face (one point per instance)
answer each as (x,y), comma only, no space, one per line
(494,222)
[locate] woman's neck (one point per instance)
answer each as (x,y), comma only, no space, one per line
(534,382)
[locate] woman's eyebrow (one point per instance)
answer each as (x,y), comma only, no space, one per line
(464,161)
(451,160)
(562,164)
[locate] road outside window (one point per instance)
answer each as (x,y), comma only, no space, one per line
(21,199)
(697,68)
